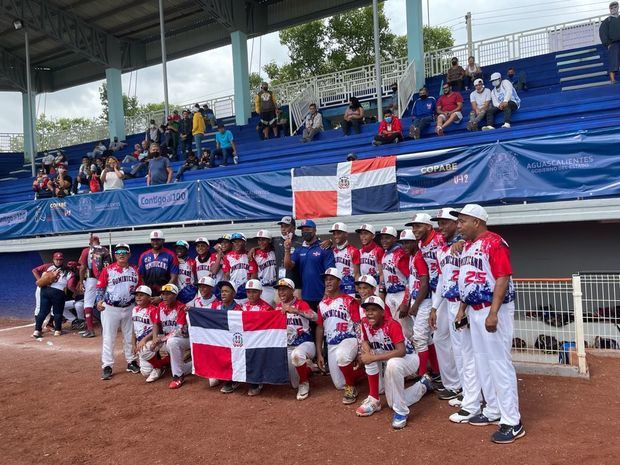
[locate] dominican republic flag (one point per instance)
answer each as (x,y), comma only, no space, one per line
(343,189)
(249,347)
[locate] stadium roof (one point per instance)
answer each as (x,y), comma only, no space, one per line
(72,42)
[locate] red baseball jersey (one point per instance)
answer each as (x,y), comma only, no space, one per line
(297,326)
(170,318)
(203,266)
(95,258)
(260,306)
(370,259)
(201,302)
(266,265)
(240,268)
(142,319)
(187,272)
(417,268)
(119,284)
(338,316)
(385,337)
(395,265)
(429,250)
(448,267)
(219,305)
(345,257)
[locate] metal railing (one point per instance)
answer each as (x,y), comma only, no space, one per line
(298,107)
(11,142)
(601,309)
(407,86)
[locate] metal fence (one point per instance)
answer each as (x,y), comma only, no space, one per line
(11,142)
(407,86)
(298,107)
(601,309)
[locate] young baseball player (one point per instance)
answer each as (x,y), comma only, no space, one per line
(187,273)
(227,297)
(301,348)
(395,265)
(205,297)
(384,344)
(371,254)
(265,258)
(170,331)
(203,263)
(338,321)
(254,302)
(486,288)
(152,365)
(222,248)
(429,242)
(366,286)
(93,260)
(115,300)
(237,266)
(347,258)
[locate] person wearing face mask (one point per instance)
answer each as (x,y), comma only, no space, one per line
(313,124)
(160,171)
(449,108)
(455,75)
(265,105)
(423,112)
(287,231)
(609,32)
(152,132)
(480,100)
(390,130)
(503,98)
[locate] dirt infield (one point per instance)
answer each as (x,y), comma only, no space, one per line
(55,409)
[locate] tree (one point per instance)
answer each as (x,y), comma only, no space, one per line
(71,129)
(437,38)
(131,107)
(255,81)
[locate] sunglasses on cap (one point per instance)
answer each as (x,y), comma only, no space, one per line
(121,252)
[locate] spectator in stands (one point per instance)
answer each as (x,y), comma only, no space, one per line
(99,150)
(480,100)
(283,121)
(185,133)
(224,146)
(205,159)
(171,138)
(423,112)
(473,71)
(47,162)
(133,156)
(353,117)
(112,175)
(449,108)
(152,132)
(83,175)
(265,104)
(60,160)
(159,171)
(39,185)
(313,124)
(517,81)
(393,105)
(504,98)
(455,75)
(191,163)
(209,116)
(117,145)
(609,32)
(198,127)
(61,185)
(390,129)
(97,166)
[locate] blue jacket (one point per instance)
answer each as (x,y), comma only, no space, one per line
(424,108)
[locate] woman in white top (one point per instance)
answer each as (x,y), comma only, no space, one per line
(473,71)
(112,176)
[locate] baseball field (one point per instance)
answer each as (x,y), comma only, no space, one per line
(56,410)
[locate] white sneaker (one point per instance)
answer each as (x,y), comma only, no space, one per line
(37,334)
(462,416)
(154,375)
(303,391)
(57,333)
(368,407)
(506,125)
(487,128)
(236,160)
(213,382)
(456,402)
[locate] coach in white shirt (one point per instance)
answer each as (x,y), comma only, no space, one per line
(480,100)
(503,98)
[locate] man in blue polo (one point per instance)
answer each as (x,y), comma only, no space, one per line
(311,261)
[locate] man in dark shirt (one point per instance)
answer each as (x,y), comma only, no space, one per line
(287,231)
(609,33)
(185,133)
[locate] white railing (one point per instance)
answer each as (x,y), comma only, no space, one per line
(407,86)
(11,142)
(298,107)
(601,309)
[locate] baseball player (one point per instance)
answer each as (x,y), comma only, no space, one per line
(152,365)
(395,265)
(420,307)
(383,343)
(170,331)
(37,272)
(115,298)
(366,286)
(371,254)
(93,260)
(265,259)
(301,348)
(205,297)
(347,258)
(448,258)
(203,263)
(222,248)
(237,266)
(486,288)
(429,242)
(158,265)
(227,295)
(338,321)
(187,273)
(254,302)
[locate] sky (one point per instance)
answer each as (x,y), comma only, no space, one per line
(212,70)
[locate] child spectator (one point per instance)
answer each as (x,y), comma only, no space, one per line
(61,185)
(47,162)
(390,130)
(39,185)
(205,159)
(60,160)
(83,176)
(190,164)
(518,81)
(283,121)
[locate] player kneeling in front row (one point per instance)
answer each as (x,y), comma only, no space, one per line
(301,347)
(384,343)
(152,365)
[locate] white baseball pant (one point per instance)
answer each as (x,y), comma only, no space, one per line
(37,301)
(79,309)
(146,354)
(90,292)
(269,295)
(113,318)
(341,355)
(176,349)
(395,300)
(422,334)
(443,347)
(298,356)
(465,361)
(494,363)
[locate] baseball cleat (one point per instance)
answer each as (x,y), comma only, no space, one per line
(368,407)
(456,402)
(177,382)
(507,434)
(399,421)
(154,375)
(57,333)
(37,334)
(255,389)
(482,420)
(303,391)
(213,382)
(133,367)
(427,381)
(229,386)
(350,394)
(462,416)
(106,373)
(447,394)
(88,334)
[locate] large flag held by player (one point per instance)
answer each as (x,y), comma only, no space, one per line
(349,188)
(239,346)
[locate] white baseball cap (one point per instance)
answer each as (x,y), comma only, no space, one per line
(407,235)
(374,300)
(475,210)
(207,281)
(170,288)
(389,230)
(263,233)
(122,245)
(253,284)
(366,227)
(144,290)
(285,282)
(201,239)
(495,76)
(333,272)
(339,227)
(157,234)
(367,279)
(478,81)
(420,218)
(446,213)
(182,244)
(286,220)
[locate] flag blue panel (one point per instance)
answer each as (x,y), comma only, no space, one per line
(375,199)
(208,319)
(266,365)
(318,170)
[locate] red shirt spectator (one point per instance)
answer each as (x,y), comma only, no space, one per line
(449,102)
(390,130)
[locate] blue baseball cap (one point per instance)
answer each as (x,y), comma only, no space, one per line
(307,224)
(237,236)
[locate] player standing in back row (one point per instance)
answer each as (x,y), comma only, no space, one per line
(158,266)
(93,260)
(347,258)
(371,254)
(395,265)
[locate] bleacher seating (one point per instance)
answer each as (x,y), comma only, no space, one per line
(566,92)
